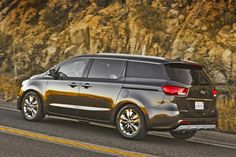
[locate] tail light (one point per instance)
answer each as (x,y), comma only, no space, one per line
(214,92)
(175,90)
(183,122)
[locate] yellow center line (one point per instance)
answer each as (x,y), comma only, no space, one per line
(71,143)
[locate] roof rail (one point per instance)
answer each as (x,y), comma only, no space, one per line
(130,55)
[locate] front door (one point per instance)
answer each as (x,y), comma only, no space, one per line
(100,89)
(62,92)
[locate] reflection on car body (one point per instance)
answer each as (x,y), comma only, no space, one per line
(134,93)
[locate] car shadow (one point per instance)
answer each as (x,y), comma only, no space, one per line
(102,130)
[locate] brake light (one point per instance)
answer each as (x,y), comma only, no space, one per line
(214,92)
(175,90)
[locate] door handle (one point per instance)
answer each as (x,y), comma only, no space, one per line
(73,84)
(86,85)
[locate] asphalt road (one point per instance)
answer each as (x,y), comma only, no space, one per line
(99,140)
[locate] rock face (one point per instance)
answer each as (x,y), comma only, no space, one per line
(42,33)
(37,34)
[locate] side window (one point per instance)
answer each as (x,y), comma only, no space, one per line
(145,70)
(106,69)
(73,68)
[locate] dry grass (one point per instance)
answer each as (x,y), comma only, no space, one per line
(9,88)
(227,115)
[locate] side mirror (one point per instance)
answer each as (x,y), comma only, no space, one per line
(52,72)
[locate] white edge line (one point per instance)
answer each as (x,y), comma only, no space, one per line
(10,109)
(213,144)
(196,141)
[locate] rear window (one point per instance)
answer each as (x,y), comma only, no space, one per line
(145,70)
(188,75)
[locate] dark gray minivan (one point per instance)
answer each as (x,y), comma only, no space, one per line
(134,93)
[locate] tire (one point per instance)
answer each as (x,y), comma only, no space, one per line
(31,107)
(183,134)
(130,122)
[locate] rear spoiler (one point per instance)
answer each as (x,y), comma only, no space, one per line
(184,65)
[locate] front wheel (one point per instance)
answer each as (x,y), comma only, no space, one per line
(31,107)
(130,122)
(183,134)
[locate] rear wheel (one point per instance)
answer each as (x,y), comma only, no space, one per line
(31,107)
(130,122)
(183,134)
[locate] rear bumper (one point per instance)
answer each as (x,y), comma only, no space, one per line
(169,117)
(186,124)
(195,127)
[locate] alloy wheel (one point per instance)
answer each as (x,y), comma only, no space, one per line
(30,107)
(129,122)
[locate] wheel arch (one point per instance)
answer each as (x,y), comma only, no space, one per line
(27,91)
(124,103)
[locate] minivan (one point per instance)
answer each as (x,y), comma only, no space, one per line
(135,93)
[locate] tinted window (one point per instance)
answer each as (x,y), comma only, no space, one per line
(73,68)
(188,75)
(145,70)
(107,69)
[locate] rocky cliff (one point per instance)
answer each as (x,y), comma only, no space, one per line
(36,34)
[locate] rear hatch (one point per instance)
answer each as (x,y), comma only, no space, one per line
(200,100)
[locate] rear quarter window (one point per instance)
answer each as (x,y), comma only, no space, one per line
(145,70)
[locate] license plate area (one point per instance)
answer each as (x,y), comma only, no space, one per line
(199,105)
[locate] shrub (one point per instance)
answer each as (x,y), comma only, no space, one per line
(55,16)
(37,4)
(5,41)
(149,17)
(103,3)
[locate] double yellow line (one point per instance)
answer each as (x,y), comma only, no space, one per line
(70,143)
